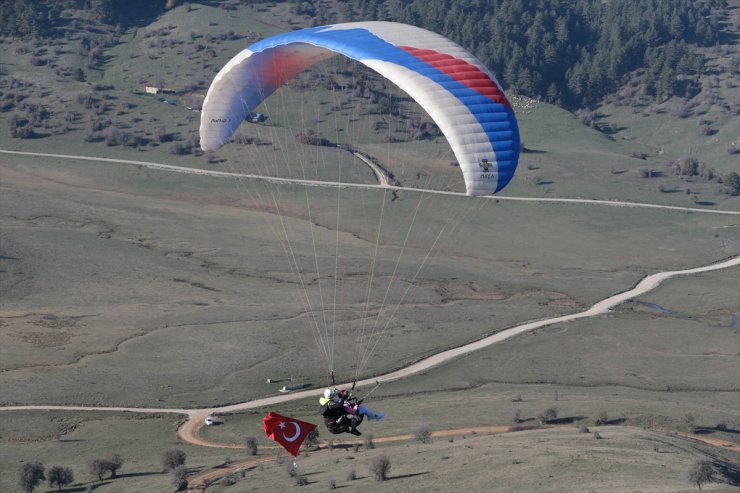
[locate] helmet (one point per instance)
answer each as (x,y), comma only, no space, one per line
(330,393)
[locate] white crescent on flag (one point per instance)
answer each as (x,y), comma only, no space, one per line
(295,436)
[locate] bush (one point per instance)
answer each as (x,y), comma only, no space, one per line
(701,472)
(301,480)
(332,484)
(369,443)
(173,458)
(601,419)
(250,443)
(380,467)
(98,467)
(548,415)
(178,476)
(423,434)
(351,475)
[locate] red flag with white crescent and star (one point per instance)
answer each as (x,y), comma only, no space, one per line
(288,432)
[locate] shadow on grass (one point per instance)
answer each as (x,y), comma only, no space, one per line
(87,486)
(729,471)
(706,430)
(411,475)
(138,474)
(566,420)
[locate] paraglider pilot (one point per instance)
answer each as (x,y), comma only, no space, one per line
(343,413)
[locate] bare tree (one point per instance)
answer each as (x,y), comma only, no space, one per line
(548,415)
(250,443)
(423,434)
(173,458)
(60,476)
(689,421)
(98,467)
(114,464)
(380,467)
(179,477)
(601,419)
(369,443)
(701,472)
(30,475)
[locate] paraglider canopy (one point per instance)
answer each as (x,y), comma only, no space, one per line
(455,88)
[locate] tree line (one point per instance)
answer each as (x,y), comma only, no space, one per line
(42,18)
(569,53)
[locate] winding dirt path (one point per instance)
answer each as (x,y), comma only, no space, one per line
(194,415)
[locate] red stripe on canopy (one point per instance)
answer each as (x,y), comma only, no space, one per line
(462,71)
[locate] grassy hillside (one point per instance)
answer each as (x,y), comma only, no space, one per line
(131,286)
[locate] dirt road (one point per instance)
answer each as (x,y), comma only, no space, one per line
(199,482)
(381,178)
(197,415)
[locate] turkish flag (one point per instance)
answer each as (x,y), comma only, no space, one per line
(288,432)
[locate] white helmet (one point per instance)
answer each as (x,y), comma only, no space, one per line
(330,393)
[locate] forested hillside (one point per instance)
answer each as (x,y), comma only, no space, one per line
(568,53)
(571,53)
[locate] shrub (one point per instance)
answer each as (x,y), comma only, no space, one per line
(332,484)
(583,429)
(178,476)
(721,426)
(351,475)
(312,439)
(114,464)
(178,149)
(98,467)
(732,181)
(518,416)
(423,434)
(369,443)
(250,443)
(173,458)
(601,419)
(380,467)
(548,415)
(701,472)
(301,480)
